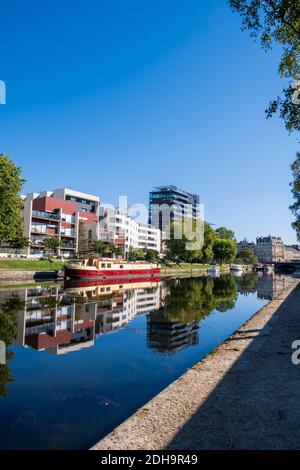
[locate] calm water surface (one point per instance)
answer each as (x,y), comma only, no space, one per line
(81,358)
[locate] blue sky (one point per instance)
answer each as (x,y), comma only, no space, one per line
(113,97)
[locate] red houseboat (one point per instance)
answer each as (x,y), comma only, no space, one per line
(106,267)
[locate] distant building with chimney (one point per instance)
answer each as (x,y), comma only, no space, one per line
(245,244)
(270,249)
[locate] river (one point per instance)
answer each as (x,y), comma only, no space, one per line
(81,358)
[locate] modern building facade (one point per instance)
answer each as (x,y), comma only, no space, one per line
(58,214)
(78,219)
(169,203)
(123,230)
(270,249)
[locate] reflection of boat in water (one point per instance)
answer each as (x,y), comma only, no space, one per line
(214,271)
(236,269)
(258,267)
(107,267)
(269,268)
(100,287)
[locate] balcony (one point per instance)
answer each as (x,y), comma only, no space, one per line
(71,234)
(68,247)
(43,231)
(45,215)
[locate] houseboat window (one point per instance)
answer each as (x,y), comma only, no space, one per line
(121,266)
(109,265)
(102,265)
(107,289)
(102,289)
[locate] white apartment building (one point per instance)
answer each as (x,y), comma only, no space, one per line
(123,229)
(58,214)
(77,219)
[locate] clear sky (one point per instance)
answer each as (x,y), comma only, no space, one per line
(114,97)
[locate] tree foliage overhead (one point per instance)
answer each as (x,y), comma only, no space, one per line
(295,208)
(11,205)
(277,22)
(225,233)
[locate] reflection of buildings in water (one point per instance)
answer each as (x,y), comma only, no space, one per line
(271,285)
(63,321)
(48,323)
(124,307)
(168,336)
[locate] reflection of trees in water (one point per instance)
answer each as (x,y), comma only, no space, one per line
(190,300)
(8,332)
(186,302)
(248,282)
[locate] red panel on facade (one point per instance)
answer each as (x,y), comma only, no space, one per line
(50,204)
(87,218)
(44,341)
(65,225)
(119,241)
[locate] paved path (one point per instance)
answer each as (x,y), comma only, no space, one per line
(243,395)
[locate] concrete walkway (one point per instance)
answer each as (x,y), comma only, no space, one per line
(244,395)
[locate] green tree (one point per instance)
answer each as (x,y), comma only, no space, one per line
(225,233)
(151,256)
(224,250)
(101,248)
(19,243)
(11,205)
(51,243)
(209,240)
(140,254)
(295,208)
(117,250)
(181,235)
(132,254)
(247,256)
(175,248)
(277,22)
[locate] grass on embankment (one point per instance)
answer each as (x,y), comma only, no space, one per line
(26,285)
(30,265)
(186,266)
(195,266)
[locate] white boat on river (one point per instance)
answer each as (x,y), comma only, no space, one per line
(236,268)
(214,271)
